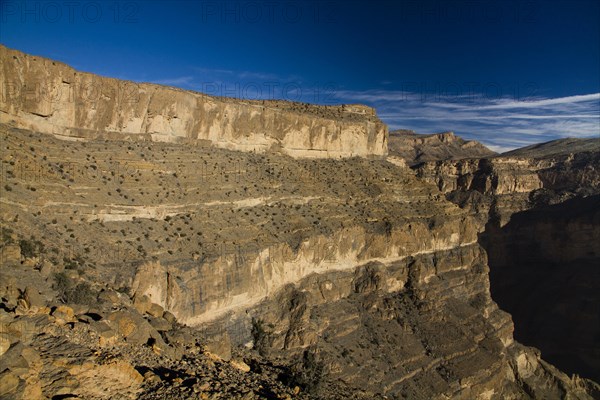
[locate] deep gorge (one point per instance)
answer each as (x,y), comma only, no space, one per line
(544,272)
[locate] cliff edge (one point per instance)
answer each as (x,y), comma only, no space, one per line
(51,97)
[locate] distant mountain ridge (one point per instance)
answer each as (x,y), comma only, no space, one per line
(417,148)
(556,147)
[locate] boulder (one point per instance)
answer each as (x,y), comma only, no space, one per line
(80,309)
(160,324)
(10,254)
(155,310)
(240,365)
(135,329)
(95,381)
(9,383)
(27,327)
(47,268)
(169,317)
(141,303)
(33,298)
(13,359)
(219,345)
(106,335)
(22,307)
(4,343)
(9,290)
(64,314)
(114,298)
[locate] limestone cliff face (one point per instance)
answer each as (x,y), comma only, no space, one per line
(436,335)
(487,176)
(540,207)
(508,175)
(51,97)
(234,283)
(417,148)
(509,184)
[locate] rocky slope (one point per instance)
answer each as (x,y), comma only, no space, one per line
(540,205)
(51,97)
(134,267)
(556,147)
(345,278)
(416,148)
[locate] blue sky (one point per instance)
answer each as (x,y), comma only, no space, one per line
(507,73)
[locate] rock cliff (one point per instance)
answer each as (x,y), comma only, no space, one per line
(416,148)
(136,265)
(507,184)
(540,206)
(347,278)
(51,97)
(548,259)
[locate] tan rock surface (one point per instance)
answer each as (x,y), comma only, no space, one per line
(355,267)
(51,97)
(349,278)
(540,205)
(417,148)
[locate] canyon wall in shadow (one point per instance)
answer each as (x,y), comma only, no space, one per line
(542,237)
(544,271)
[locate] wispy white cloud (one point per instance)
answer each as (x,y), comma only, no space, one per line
(211,71)
(501,123)
(533,116)
(236,76)
(543,102)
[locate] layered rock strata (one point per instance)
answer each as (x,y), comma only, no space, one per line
(51,97)
(540,206)
(349,277)
(417,148)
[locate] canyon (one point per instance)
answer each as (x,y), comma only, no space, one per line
(189,246)
(540,205)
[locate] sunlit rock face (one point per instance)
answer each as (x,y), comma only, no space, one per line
(51,97)
(540,206)
(502,185)
(417,148)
